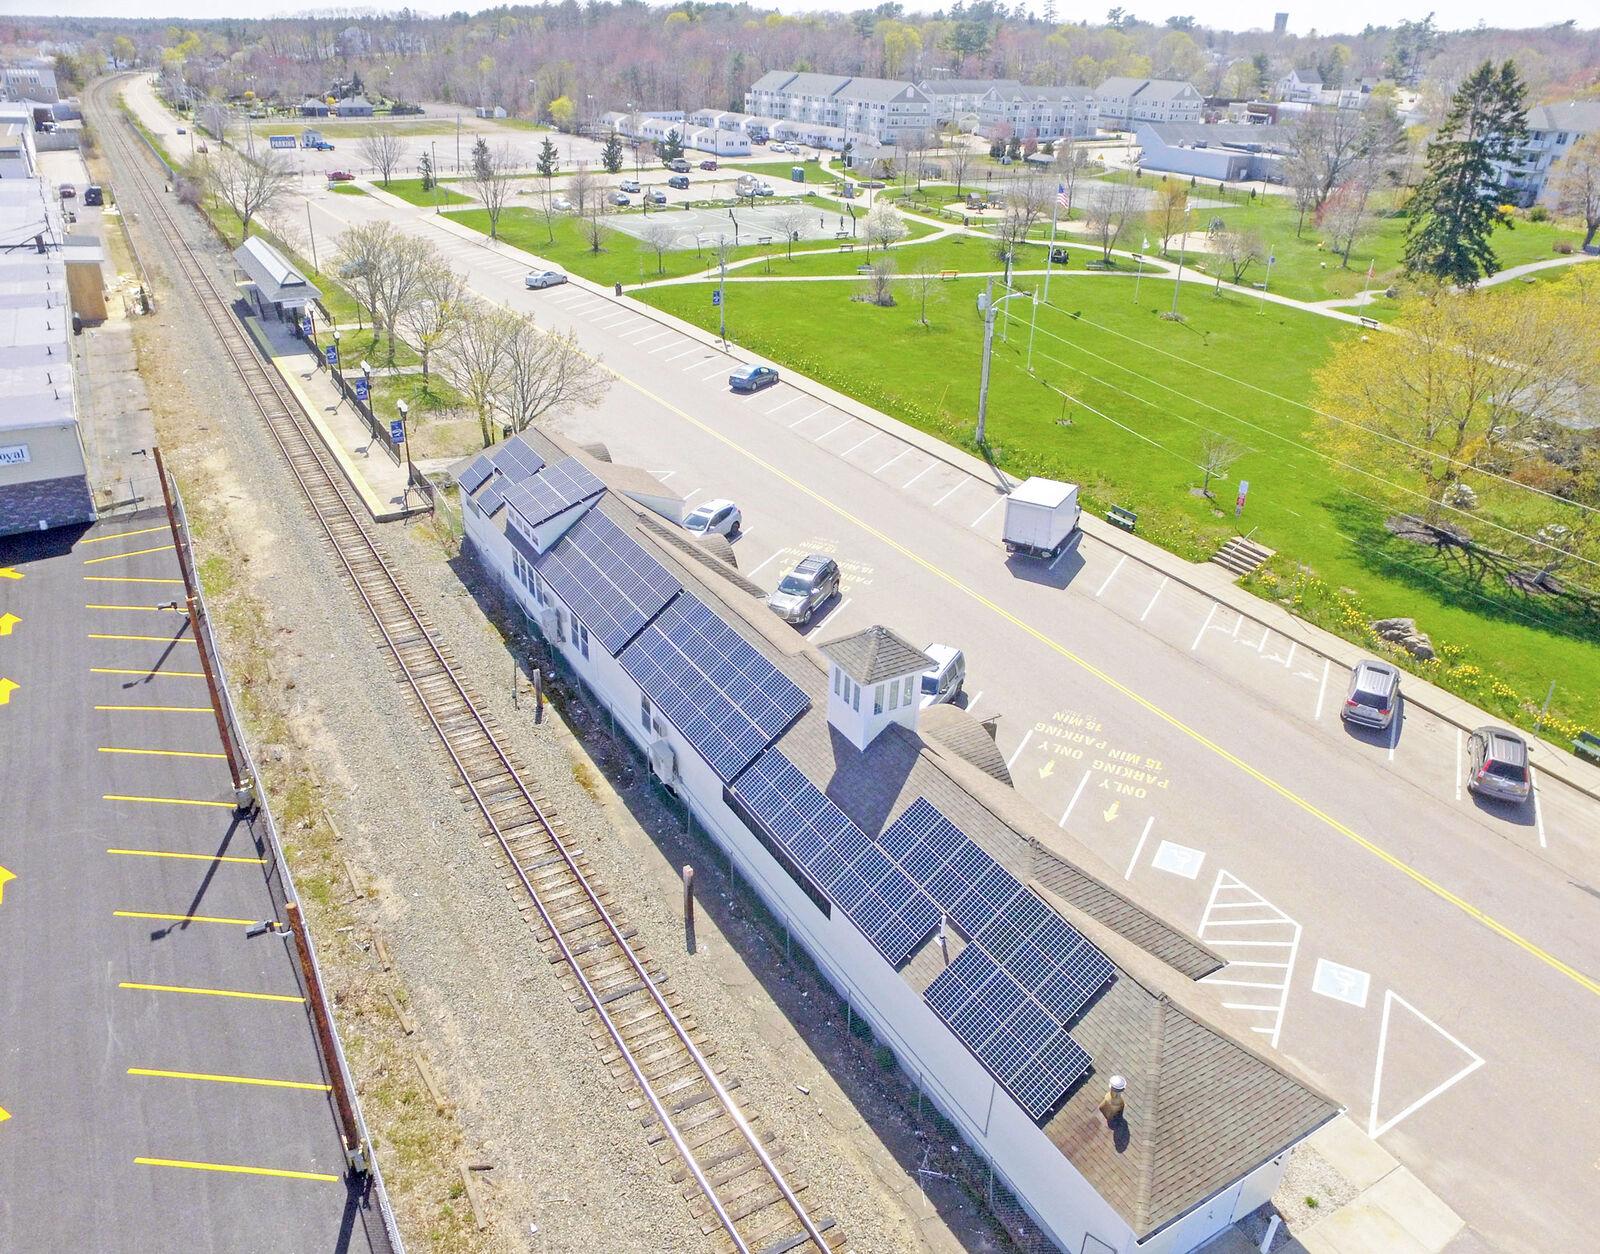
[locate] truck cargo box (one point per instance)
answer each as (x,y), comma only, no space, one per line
(1041,514)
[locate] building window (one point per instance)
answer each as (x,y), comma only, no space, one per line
(580,637)
(855,697)
(644,711)
(910,683)
(877,699)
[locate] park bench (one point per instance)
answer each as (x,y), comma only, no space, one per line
(867,269)
(1587,745)
(847,248)
(1121,516)
(949,274)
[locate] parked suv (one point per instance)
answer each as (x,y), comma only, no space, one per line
(1497,764)
(804,588)
(943,680)
(1374,694)
(715,518)
(678,165)
(680,181)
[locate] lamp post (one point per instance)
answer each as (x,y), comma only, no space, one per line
(433,171)
(988,304)
(405,441)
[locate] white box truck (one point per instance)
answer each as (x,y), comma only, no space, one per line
(1041,514)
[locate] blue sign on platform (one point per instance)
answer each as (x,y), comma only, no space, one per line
(332,354)
(716,297)
(397,431)
(305,326)
(362,387)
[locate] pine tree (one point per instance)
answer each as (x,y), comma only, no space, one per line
(547,158)
(426,168)
(1456,208)
(671,146)
(481,165)
(611,154)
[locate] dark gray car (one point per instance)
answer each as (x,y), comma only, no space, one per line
(804,588)
(1497,764)
(1374,694)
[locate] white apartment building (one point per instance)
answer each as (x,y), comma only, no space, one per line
(874,110)
(1552,130)
(1125,102)
(956,98)
(1039,113)
(655,127)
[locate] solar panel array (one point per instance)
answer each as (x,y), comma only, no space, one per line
(718,690)
(880,898)
(608,580)
(555,488)
(516,461)
(473,476)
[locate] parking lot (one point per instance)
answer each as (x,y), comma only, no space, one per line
(158,1068)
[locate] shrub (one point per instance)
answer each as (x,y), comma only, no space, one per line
(1539,214)
(1564,247)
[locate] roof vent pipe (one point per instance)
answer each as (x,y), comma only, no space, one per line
(1112,1105)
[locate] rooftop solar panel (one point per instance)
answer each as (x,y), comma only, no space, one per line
(473,476)
(1041,1082)
(516,461)
(608,580)
(493,496)
(555,488)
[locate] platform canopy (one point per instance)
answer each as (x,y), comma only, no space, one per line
(278,281)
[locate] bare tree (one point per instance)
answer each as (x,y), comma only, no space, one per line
(792,220)
(660,236)
(925,286)
(1027,199)
(548,211)
(1344,214)
(1171,209)
(878,289)
(583,187)
(1107,209)
(1324,143)
(477,357)
(433,319)
(214,118)
(1217,454)
(1577,186)
(383,150)
(545,372)
(960,159)
(247,185)
(588,197)
(489,177)
(1068,158)
(884,225)
(382,264)
(1237,251)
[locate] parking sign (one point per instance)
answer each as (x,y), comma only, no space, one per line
(305,326)
(716,297)
(332,354)
(362,387)
(397,431)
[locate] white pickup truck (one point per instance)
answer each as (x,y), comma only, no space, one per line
(1041,515)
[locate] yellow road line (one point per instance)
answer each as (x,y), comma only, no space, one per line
(228,1079)
(179,639)
(146,609)
(247,1171)
(1416,876)
(207,992)
(193,857)
(119,670)
(181,918)
(113,557)
(118,535)
(164,709)
(167,801)
(165,753)
(130,579)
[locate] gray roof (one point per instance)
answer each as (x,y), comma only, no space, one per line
(1165,89)
(269,270)
(969,86)
(950,727)
(773,80)
(1582,116)
(36,376)
(1119,85)
(875,654)
(1250,136)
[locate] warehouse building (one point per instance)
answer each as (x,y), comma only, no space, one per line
(1228,152)
(1047,1015)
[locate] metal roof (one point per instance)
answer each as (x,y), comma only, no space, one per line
(36,376)
(1582,116)
(267,268)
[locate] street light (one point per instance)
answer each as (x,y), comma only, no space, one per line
(988,304)
(405,440)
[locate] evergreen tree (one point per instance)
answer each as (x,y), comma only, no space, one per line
(546,164)
(611,154)
(425,167)
(671,146)
(1456,208)
(482,167)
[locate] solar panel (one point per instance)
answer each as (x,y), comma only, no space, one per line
(989,895)
(608,580)
(1041,1082)
(516,461)
(907,924)
(555,488)
(473,476)
(791,807)
(494,496)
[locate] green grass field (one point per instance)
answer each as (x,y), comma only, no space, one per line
(777,172)
(1119,400)
(411,190)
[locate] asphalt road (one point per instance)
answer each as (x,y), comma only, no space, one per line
(160,1086)
(1433,961)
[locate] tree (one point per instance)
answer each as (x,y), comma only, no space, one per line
(1237,251)
(548,162)
(960,159)
(1109,205)
(878,288)
(425,168)
(611,154)
(544,372)
(1026,201)
(1344,216)
(489,176)
(385,265)
(477,357)
(1241,81)
(1577,185)
(672,146)
(548,211)
(383,150)
(926,286)
(1217,454)
(433,319)
(250,186)
(588,196)
(1456,208)
(659,236)
(562,111)
(1171,210)
(884,225)
(1323,145)
(792,219)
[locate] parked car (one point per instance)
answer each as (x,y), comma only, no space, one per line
(658,197)
(942,681)
(715,518)
(561,204)
(764,189)
(1497,764)
(752,378)
(708,165)
(341,176)
(1374,694)
(678,165)
(679,181)
(629,185)
(93,195)
(759,141)
(779,146)
(68,192)
(183,130)
(619,199)
(543,278)
(804,588)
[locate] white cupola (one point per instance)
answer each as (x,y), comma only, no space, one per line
(872,682)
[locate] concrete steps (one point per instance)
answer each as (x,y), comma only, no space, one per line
(1240,556)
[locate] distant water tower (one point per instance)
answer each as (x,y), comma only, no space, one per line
(1280,23)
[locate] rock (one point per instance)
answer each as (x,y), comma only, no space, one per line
(1395,628)
(1417,645)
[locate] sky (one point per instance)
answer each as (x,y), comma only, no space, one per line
(1349,16)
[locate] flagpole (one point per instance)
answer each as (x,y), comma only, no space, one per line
(1183,239)
(1267,282)
(1050,253)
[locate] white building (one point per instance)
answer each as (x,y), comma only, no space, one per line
(1123,102)
(1224,151)
(968,929)
(876,110)
(1303,88)
(1039,113)
(655,127)
(1552,130)
(957,98)
(18,154)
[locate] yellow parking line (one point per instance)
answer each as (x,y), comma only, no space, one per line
(228,1079)
(181,918)
(164,709)
(112,557)
(148,609)
(179,639)
(130,579)
(118,535)
(247,1171)
(193,857)
(120,670)
(208,992)
(165,753)
(167,801)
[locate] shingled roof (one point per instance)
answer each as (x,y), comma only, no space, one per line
(875,654)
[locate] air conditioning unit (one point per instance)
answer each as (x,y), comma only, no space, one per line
(550,623)
(664,762)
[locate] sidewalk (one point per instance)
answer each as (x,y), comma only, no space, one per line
(380,483)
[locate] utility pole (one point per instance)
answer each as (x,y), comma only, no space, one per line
(1183,239)
(990,304)
(313,232)
(722,294)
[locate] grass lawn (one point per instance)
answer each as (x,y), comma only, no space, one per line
(439,424)
(776,172)
(332,128)
(1115,360)
(410,190)
(347,189)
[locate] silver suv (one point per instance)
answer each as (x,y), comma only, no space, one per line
(804,588)
(1374,694)
(1497,764)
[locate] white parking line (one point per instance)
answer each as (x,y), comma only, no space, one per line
(1538,815)
(1065,549)
(1203,626)
(959,485)
(1323,690)
(663,475)
(1139,848)
(828,617)
(693,348)
(859,444)
(645,339)
(1159,589)
(819,439)
(1290,658)
(1278,930)
(614,319)
(993,505)
(1394,733)
(820,409)
(919,474)
(1374,1129)
(695,365)
(662,348)
(1017,752)
(721,368)
(891,461)
(692,492)
(751,574)
(785,404)
(972,701)
(1076,793)
(1111,576)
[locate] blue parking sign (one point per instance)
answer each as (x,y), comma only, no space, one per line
(332,354)
(716,297)
(397,431)
(362,387)
(305,326)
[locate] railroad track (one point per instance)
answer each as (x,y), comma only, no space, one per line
(727,1171)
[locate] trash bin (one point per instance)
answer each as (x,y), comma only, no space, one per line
(619,287)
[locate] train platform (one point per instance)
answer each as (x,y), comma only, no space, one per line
(160,1082)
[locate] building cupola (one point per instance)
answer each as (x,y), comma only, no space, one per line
(872,682)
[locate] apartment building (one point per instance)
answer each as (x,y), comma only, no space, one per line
(18,153)
(1552,131)
(30,79)
(1125,102)
(876,110)
(956,98)
(1039,113)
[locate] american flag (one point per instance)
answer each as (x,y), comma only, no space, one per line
(1062,199)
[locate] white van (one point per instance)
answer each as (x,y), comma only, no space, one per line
(942,681)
